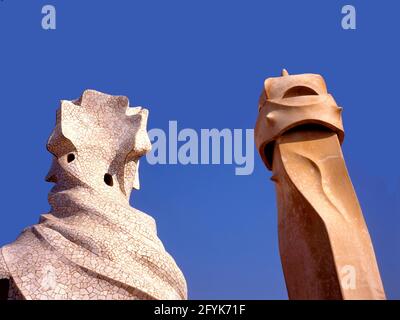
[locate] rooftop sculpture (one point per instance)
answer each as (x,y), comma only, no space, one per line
(92,244)
(325,247)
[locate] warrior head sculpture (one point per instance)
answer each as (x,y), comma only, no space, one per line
(291,101)
(97,143)
(92,244)
(325,247)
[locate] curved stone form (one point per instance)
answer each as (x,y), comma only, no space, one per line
(325,247)
(92,244)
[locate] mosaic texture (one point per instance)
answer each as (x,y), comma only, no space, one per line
(92,244)
(325,247)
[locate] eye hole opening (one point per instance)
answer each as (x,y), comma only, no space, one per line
(108,179)
(70,157)
(299,91)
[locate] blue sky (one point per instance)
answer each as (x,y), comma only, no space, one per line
(203,63)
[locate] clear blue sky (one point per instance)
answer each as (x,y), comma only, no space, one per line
(203,64)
